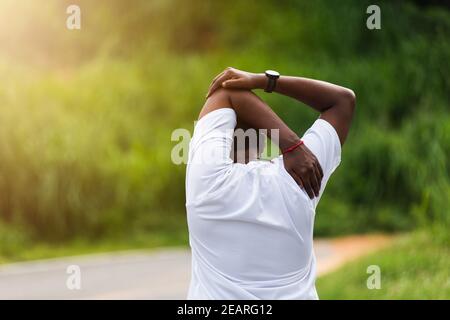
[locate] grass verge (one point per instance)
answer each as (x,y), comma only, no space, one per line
(415,267)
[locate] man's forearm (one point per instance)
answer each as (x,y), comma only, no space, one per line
(256,114)
(319,95)
(253,112)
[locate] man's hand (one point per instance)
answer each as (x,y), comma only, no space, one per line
(304,167)
(232,78)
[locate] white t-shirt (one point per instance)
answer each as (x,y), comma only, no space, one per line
(250,225)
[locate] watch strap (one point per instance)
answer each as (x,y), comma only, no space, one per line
(271,82)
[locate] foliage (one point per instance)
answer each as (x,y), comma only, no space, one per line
(86,116)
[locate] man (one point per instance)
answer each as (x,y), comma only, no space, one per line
(251,223)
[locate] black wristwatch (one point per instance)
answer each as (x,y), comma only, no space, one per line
(272,77)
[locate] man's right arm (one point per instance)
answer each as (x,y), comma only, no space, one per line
(301,163)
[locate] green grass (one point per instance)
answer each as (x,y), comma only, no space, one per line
(415,267)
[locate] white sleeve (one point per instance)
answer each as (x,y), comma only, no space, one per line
(209,151)
(323,141)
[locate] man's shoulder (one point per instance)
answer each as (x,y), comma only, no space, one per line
(323,141)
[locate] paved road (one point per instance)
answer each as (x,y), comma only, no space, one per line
(162,274)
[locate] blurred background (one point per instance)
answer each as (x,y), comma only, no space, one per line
(86,118)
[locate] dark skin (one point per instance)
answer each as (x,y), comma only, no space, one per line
(336,104)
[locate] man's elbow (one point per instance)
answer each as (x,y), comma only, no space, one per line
(345,104)
(348,100)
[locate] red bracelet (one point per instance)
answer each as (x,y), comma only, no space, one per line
(295,146)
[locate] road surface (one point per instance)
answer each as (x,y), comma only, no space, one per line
(157,274)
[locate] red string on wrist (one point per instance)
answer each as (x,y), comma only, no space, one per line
(292,148)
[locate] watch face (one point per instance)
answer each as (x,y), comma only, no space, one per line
(272,73)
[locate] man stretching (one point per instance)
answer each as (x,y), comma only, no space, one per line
(251,221)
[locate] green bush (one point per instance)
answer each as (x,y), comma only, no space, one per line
(86,116)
